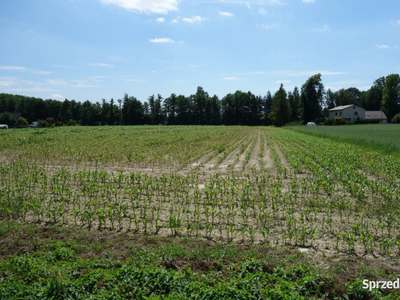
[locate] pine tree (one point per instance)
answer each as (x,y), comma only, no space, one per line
(280,107)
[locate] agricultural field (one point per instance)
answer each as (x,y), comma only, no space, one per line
(319,201)
(381,137)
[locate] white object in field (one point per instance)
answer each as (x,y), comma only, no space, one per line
(311,124)
(3,126)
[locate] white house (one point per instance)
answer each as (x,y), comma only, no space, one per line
(347,112)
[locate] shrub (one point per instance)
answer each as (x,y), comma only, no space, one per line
(396,118)
(7,118)
(72,122)
(42,123)
(337,121)
(22,122)
(319,120)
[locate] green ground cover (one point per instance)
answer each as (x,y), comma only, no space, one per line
(69,263)
(381,137)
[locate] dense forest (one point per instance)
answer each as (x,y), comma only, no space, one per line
(310,103)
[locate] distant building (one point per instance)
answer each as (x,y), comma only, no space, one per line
(347,112)
(376,115)
(50,120)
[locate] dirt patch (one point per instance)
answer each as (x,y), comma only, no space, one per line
(284,161)
(223,161)
(243,159)
(267,156)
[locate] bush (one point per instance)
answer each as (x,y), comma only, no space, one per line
(22,122)
(295,123)
(337,121)
(42,123)
(72,122)
(319,120)
(396,118)
(7,118)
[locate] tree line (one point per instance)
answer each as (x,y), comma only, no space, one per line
(309,103)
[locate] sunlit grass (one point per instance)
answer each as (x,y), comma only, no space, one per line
(382,137)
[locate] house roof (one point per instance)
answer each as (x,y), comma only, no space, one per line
(338,108)
(375,115)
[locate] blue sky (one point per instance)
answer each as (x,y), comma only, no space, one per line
(94,49)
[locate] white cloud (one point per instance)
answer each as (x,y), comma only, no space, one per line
(351,82)
(382,46)
(311,73)
(396,23)
(32,89)
(162,40)
(117,58)
(226,14)
(13,68)
(308,1)
(147,6)
(231,78)
(42,72)
(133,80)
(386,46)
(99,65)
(10,84)
(59,66)
(23,69)
(83,84)
(267,26)
(245,2)
(195,19)
(56,82)
(7,83)
(256,73)
(160,20)
(262,11)
(323,29)
(174,21)
(57,96)
(96,78)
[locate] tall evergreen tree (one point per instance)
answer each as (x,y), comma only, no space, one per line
(280,107)
(311,98)
(200,101)
(330,99)
(294,101)
(215,111)
(267,109)
(170,105)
